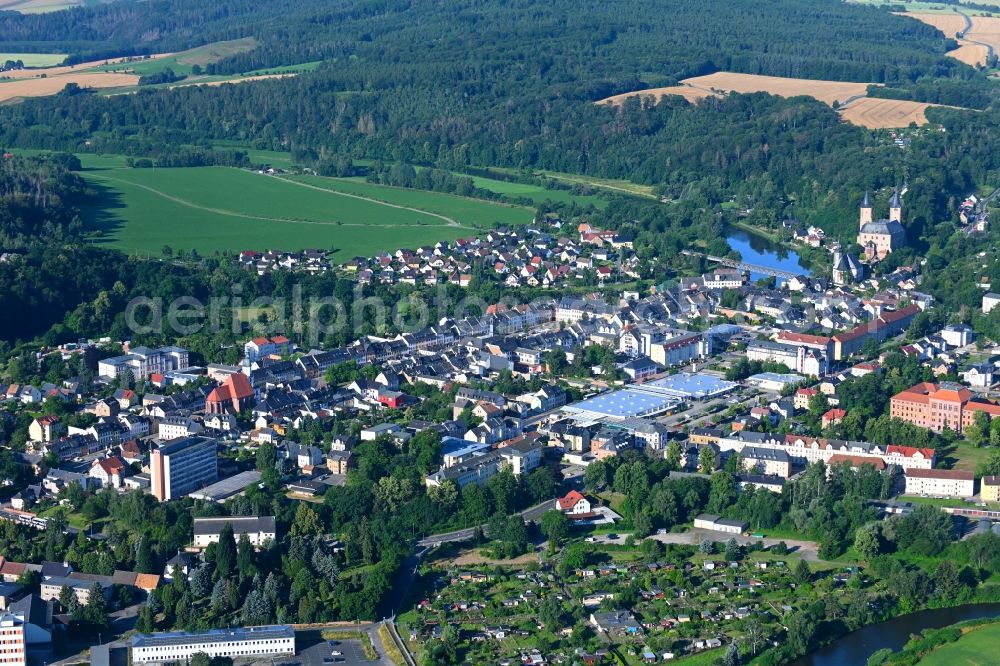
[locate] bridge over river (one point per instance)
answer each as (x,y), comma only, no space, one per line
(744,266)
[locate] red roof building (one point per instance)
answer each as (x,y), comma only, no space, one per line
(856,461)
(234,395)
(573,502)
(940,406)
(833,417)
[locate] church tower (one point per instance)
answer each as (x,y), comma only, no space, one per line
(866,211)
(895,207)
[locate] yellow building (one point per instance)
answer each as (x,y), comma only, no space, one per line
(990,488)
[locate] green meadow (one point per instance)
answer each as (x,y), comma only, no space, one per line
(470,212)
(34,59)
(181,63)
(976,648)
(217,208)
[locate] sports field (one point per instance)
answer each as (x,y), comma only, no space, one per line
(976,648)
(216,208)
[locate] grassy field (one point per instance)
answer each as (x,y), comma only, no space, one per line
(471,212)
(976,648)
(35,59)
(182,62)
(215,208)
(964,457)
(536,193)
(617,186)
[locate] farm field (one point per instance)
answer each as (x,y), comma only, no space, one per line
(824,91)
(34,59)
(851,98)
(985,29)
(216,208)
(689,93)
(934,7)
(183,61)
(122,75)
(976,648)
(617,186)
(467,211)
(92,66)
(536,193)
(876,113)
(970,54)
(41,87)
(951,24)
(41,6)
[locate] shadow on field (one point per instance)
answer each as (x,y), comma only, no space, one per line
(100,213)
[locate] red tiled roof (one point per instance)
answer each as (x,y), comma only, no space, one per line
(856,461)
(236,386)
(910,451)
(570,500)
(789,336)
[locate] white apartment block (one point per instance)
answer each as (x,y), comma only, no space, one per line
(940,482)
(803,450)
(143,362)
(259,529)
(250,643)
(13,651)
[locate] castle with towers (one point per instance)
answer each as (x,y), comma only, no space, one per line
(877,239)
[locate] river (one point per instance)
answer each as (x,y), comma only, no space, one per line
(855,648)
(759,250)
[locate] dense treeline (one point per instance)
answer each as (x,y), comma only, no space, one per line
(483,84)
(37,197)
(546,43)
(970,94)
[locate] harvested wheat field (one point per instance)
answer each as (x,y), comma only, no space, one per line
(11,90)
(885,113)
(824,91)
(985,29)
(969,53)
(687,92)
(951,25)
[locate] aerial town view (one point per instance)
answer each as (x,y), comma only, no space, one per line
(499,332)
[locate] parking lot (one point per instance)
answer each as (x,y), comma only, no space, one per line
(318,652)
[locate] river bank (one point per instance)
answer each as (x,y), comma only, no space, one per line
(856,647)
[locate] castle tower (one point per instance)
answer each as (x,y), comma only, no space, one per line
(895,207)
(866,210)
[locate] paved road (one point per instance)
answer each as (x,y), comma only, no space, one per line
(809,550)
(965,32)
(531,514)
